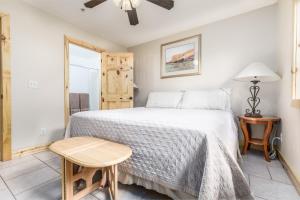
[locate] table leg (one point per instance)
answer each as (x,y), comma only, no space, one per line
(246,136)
(63,173)
(267,133)
(113,181)
(103,180)
(116,181)
(67,185)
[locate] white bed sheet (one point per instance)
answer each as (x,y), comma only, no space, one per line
(217,122)
(143,128)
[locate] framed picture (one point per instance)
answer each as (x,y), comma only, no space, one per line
(181,58)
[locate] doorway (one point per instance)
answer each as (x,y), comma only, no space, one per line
(5,89)
(82,77)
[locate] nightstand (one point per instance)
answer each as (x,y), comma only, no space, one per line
(268,122)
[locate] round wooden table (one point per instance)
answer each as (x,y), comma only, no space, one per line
(90,155)
(268,122)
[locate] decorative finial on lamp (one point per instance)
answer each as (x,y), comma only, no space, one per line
(256,73)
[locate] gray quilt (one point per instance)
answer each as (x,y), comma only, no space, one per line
(192,151)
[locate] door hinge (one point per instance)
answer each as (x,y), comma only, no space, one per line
(1,96)
(294,70)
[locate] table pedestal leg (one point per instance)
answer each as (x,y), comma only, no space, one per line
(67,184)
(113,181)
(246,136)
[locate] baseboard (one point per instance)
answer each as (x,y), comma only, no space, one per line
(30,150)
(294,178)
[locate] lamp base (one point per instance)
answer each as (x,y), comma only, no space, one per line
(253,115)
(253,101)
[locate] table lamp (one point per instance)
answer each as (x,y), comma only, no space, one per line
(256,73)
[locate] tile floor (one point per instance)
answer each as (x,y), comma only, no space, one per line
(36,177)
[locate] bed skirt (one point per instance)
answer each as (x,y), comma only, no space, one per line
(129,179)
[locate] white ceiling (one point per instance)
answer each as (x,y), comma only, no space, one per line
(109,22)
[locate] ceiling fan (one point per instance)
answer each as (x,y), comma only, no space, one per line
(130,6)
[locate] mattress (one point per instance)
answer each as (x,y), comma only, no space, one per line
(187,150)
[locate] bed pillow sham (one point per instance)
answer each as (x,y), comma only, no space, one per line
(218,99)
(164,99)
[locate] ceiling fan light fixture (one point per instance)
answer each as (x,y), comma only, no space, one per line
(127,4)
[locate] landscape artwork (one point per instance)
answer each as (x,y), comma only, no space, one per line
(181,58)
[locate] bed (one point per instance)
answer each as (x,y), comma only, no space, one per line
(183,153)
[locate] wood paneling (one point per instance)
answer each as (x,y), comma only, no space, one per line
(5,76)
(117,80)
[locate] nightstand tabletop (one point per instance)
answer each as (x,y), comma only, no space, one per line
(262,119)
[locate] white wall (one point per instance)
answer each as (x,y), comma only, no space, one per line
(38,54)
(289,110)
(227,47)
(84,73)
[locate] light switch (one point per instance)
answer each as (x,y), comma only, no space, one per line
(33,84)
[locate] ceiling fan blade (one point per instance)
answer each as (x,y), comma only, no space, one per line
(167,4)
(93,3)
(133,18)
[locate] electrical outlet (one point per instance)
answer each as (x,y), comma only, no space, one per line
(43,131)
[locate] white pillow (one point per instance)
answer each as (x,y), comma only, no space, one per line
(164,99)
(218,99)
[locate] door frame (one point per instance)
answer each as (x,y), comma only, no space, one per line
(5,89)
(70,40)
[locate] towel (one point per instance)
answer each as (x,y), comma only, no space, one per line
(74,103)
(84,102)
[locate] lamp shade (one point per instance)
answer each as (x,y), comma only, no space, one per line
(257,72)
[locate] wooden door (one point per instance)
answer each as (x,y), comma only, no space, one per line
(5,89)
(117,80)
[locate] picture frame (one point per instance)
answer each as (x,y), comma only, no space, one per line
(181,57)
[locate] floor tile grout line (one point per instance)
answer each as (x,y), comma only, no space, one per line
(258,176)
(261,197)
(269,172)
(58,170)
(46,166)
(45,162)
(271,180)
(17,163)
(38,186)
(24,173)
(95,197)
(277,180)
(8,188)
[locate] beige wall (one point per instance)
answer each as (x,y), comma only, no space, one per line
(288,110)
(38,54)
(227,47)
